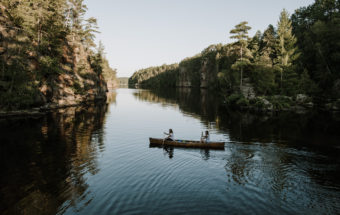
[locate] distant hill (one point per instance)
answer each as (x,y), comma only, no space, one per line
(123,81)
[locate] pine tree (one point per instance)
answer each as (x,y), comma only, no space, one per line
(287,50)
(75,17)
(88,34)
(317,28)
(268,47)
(240,33)
(254,46)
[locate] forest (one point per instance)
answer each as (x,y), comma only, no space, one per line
(48,55)
(294,62)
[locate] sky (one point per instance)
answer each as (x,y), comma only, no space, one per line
(138,34)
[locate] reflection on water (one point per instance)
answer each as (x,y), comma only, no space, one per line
(97,159)
(44,162)
(169,151)
(111,97)
(283,154)
(311,128)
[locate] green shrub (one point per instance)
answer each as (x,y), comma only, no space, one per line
(19,99)
(280,102)
(257,102)
(236,100)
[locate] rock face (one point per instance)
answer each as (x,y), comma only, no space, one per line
(112,84)
(184,79)
(78,84)
(247,89)
(302,98)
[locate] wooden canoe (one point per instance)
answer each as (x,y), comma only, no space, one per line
(187,143)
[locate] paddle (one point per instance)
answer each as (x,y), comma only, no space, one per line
(164,139)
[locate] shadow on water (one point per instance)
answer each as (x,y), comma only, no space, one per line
(45,162)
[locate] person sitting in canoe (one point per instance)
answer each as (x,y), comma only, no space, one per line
(170,136)
(205,138)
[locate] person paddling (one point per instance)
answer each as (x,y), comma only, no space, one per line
(205,138)
(170,136)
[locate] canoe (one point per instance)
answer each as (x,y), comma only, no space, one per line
(186,143)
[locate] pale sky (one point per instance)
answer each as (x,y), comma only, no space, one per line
(142,33)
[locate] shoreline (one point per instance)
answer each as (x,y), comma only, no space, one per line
(43,110)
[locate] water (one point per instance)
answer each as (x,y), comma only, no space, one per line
(97,160)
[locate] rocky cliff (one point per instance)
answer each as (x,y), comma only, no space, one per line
(57,66)
(78,84)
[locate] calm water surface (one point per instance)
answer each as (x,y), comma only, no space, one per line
(97,160)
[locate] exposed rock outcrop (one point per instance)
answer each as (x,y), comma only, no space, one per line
(78,84)
(247,89)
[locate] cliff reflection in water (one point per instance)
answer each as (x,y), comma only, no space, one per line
(45,162)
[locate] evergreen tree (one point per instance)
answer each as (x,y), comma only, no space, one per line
(240,33)
(75,17)
(254,46)
(317,28)
(40,40)
(268,47)
(286,49)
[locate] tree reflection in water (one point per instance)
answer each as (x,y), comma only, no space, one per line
(287,127)
(45,161)
(271,151)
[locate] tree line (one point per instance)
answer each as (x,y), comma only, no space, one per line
(42,41)
(299,55)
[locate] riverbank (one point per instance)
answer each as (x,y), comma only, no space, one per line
(42,110)
(299,104)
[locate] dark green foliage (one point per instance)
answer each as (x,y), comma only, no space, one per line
(39,41)
(290,82)
(155,77)
(263,79)
(317,28)
(268,47)
(236,100)
(229,81)
(280,102)
(96,63)
(20,97)
(306,84)
(258,103)
(49,66)
(192,67)
(163,80)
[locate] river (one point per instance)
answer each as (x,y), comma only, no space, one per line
(97,159)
